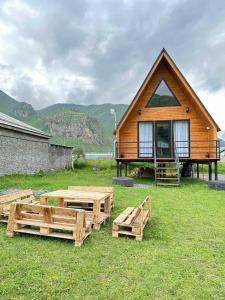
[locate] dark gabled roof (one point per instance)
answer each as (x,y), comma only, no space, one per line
(164,54)
(14,124)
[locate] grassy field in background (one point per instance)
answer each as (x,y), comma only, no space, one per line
(182,255)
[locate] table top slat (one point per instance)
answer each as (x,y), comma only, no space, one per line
(76,195)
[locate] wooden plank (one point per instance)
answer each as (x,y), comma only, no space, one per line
(46,225)
(146,200)
(43,200)
(143,219)
(55,210)
(100,189)
(67,236)
(47,218)
(77,195)
(124,215)
(15,196)
(131,217)
(60,201)
(107,205)
(11,221)
(79,227)
(96,212)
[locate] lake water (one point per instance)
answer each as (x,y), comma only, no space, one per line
(98,155)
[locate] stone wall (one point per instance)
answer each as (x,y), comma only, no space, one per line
(60,157)
(24,153)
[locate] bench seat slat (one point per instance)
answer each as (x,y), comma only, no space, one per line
(131,218)
(137,221)
(124,215)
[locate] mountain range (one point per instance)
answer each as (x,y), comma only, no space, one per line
(89,127)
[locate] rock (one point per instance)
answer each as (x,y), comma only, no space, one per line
(125,181)
(217,184)
(35,192)
(9,191)
(73,125)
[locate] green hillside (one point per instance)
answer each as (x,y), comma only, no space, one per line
(14,108)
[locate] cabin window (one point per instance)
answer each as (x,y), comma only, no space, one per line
(181,138)
(163,96)
(145,133)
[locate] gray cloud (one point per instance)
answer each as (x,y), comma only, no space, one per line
(97,51)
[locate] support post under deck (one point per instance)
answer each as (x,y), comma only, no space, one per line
(216,170)
(121,168)
(210,171)
(197,170)
(126,169)
(117,169)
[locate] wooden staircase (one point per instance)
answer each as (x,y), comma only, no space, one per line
(167,173)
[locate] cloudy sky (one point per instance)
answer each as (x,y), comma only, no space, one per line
(97,51)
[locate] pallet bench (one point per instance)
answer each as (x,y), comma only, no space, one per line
(99,189)
(25,196)
(50,221)
(133,220)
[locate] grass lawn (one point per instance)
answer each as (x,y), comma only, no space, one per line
(182,255)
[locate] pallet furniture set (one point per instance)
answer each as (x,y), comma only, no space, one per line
(133,220)
(78,211)
(96,217)
(25,196)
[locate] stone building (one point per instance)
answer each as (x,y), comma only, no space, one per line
(25,149)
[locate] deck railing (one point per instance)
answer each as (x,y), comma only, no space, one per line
(193,149)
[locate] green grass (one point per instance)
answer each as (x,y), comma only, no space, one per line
(182,255)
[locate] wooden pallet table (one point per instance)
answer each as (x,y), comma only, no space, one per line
(84,197)
(25,196)
(133,220)
(100,189)
(49,221)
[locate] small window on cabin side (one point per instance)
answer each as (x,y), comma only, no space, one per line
(163,96)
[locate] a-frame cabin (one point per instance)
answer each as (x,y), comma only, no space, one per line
(167,123)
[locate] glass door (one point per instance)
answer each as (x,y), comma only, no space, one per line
(163,139)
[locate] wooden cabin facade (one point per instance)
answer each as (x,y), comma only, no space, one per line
(167,121)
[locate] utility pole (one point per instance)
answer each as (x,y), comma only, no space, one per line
(113,112)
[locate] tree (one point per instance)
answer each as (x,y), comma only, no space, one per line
(78,153)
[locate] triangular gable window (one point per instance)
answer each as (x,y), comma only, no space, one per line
(163,96)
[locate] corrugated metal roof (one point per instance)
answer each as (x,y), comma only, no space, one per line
(7,121)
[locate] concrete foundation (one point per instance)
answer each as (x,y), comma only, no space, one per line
(125,181)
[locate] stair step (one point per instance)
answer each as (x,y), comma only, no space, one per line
(167,184)
(169,173)
(163,168)
(166,162)
(166,178)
